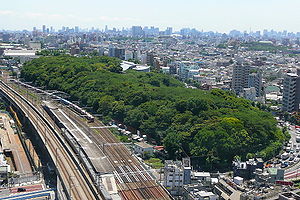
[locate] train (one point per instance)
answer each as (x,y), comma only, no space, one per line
(90,118)
(77,109)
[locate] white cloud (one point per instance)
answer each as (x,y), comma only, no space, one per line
(7,12)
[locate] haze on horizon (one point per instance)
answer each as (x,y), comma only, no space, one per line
(212,15)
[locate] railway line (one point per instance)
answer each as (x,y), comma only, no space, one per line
(133,180)
(76,182)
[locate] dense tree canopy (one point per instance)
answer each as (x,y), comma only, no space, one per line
(210,126)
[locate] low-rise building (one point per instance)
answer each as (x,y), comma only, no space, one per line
(246,169)
(203,177)
(22,54)
(143,149)
(203,195)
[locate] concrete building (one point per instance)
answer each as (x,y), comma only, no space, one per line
(191,73)
(22,54)
(117,53)
(35,45)
(137,31)
(143,148)
(201,177)
(4,166)
(269,175)
(203,195)
(185,67)
(75,50)
(128,55)
(176,174)
(255,80)
(247,169)
(44,28)
(150,59)
(249,93)
(226,191)
(291,92)
(240,77)
(5,37)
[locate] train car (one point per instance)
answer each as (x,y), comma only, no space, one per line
(77,109)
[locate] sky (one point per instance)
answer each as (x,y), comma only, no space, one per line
(206,15)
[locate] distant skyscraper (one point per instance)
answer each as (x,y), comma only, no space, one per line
(76,29)
(291,92)
(169,31)
(137,31)
(5,37)
(44,28)
(106,29)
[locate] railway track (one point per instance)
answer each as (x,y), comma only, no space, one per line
(75,180)
(133,181)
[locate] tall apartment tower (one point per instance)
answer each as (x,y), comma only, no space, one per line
(240,77)
(291,92)
(116,52)
(255,80)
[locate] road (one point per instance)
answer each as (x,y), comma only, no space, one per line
(292,172)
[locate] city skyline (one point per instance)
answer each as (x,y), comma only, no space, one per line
(217,15)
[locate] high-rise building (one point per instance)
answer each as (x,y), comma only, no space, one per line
(137,31)
(291,92)
(255,80)
(240,77)
(117,53)
(150,59)
(5,37)
(76,29)
(169,31)
(44,28)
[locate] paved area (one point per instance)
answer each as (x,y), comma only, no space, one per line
(28,188)
(95,154)
(10,142)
